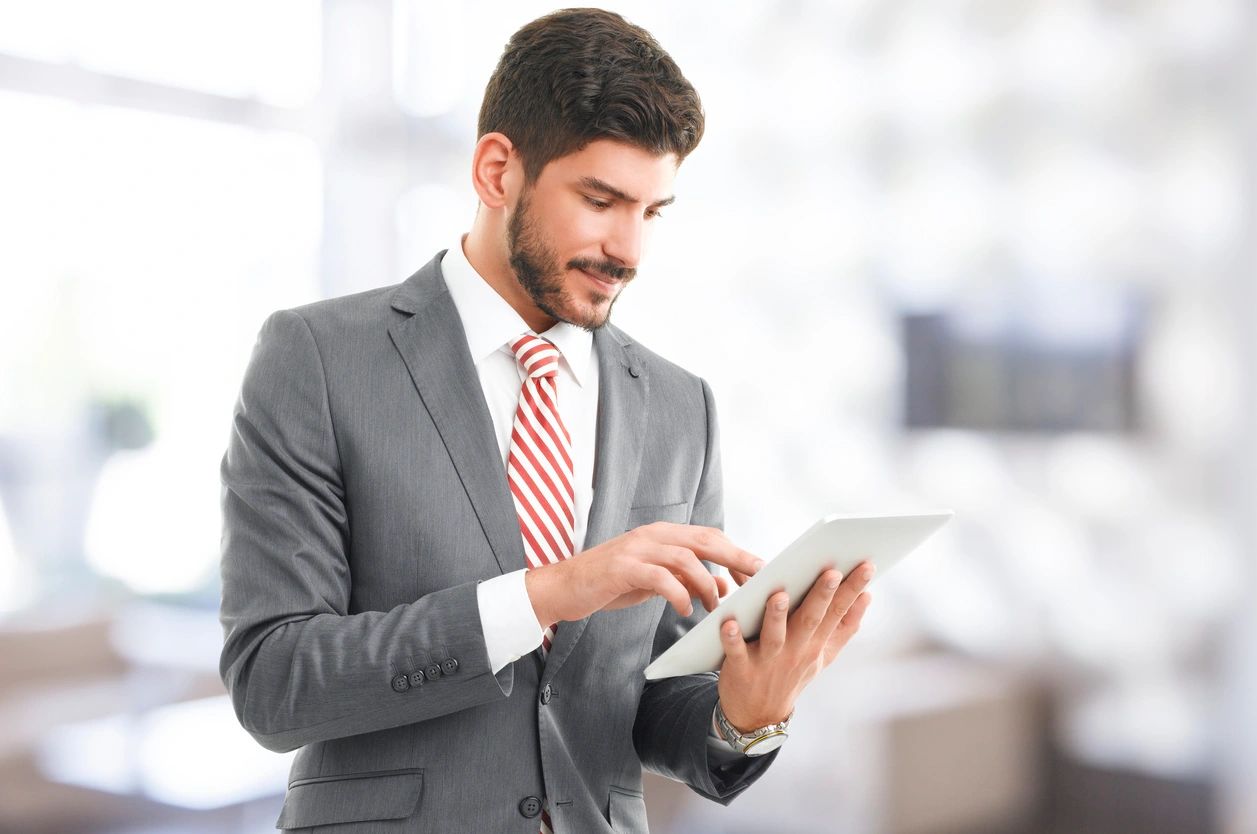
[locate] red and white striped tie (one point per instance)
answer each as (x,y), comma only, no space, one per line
(539,468)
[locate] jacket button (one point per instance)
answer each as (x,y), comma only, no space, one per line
(530,806)
(401,683)
(432,672)
(546,693)
(416,678)
(449,666)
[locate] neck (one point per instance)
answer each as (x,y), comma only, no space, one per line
(485,249)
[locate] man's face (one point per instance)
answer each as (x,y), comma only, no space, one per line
(577,234)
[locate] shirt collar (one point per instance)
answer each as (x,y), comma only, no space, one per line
(490,322)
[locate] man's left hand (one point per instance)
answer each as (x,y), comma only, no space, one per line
(761,679)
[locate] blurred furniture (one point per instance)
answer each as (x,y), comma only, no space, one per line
(97,718)
(924,744)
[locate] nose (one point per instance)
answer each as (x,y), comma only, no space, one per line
(625,242)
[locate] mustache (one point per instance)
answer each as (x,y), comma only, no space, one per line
(604,268)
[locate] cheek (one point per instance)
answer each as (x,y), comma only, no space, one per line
(585,229)
(573,230)
(582,238)
(648,231)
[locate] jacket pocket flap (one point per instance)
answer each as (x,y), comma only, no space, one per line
(677,513)
(353,797)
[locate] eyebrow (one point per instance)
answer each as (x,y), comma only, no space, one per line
(595,184)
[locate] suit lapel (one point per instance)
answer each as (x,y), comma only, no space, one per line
(623,387)
(433,345)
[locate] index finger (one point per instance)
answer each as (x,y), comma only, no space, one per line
(709,543)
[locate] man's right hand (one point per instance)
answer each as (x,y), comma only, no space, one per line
(660,558)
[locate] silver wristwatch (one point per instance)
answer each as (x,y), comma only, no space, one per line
(756,742)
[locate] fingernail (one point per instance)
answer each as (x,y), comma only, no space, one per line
(731,628)
(831,582)
(868,572)
(759,563)
(780,605)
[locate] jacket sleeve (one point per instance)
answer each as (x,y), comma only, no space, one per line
(298,665)
(674,715)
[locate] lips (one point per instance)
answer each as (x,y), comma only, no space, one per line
(604,283)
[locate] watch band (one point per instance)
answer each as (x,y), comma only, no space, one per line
(755,742)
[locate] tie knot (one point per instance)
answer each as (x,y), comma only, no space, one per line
(539,357)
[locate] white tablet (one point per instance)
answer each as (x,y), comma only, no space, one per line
(836,541)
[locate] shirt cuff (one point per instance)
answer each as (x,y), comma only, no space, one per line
(510,625)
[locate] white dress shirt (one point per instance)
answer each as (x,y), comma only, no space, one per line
(511,629)
(510,625)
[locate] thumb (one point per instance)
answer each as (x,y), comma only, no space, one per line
(731,640)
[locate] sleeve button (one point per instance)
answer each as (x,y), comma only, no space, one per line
(449,666)
(432,672)
(416,678)
(401,683)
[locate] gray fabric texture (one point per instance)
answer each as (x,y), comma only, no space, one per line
(363,499)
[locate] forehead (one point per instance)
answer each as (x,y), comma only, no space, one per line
(634,171)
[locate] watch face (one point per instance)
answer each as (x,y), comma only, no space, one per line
(765,745)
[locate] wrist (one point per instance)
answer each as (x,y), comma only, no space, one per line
(744,720)
(543,585)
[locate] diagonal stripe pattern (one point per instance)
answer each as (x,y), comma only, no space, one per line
(539,466)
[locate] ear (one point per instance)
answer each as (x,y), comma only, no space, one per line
(496,171)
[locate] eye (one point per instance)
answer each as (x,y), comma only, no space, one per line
(597,204)
(653,213)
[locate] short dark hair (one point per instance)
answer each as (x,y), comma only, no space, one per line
(577,75)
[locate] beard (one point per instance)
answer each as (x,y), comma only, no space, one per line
(538,271)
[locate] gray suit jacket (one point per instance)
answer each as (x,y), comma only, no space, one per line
(363,499)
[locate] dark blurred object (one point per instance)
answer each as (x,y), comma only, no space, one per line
(1088,799)
(1025,365)
(48,482)
(123,423)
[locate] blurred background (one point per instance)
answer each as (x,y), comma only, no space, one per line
(997,256)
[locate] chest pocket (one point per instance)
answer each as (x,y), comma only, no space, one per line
(678,513)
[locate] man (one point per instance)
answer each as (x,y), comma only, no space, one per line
(462,513)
